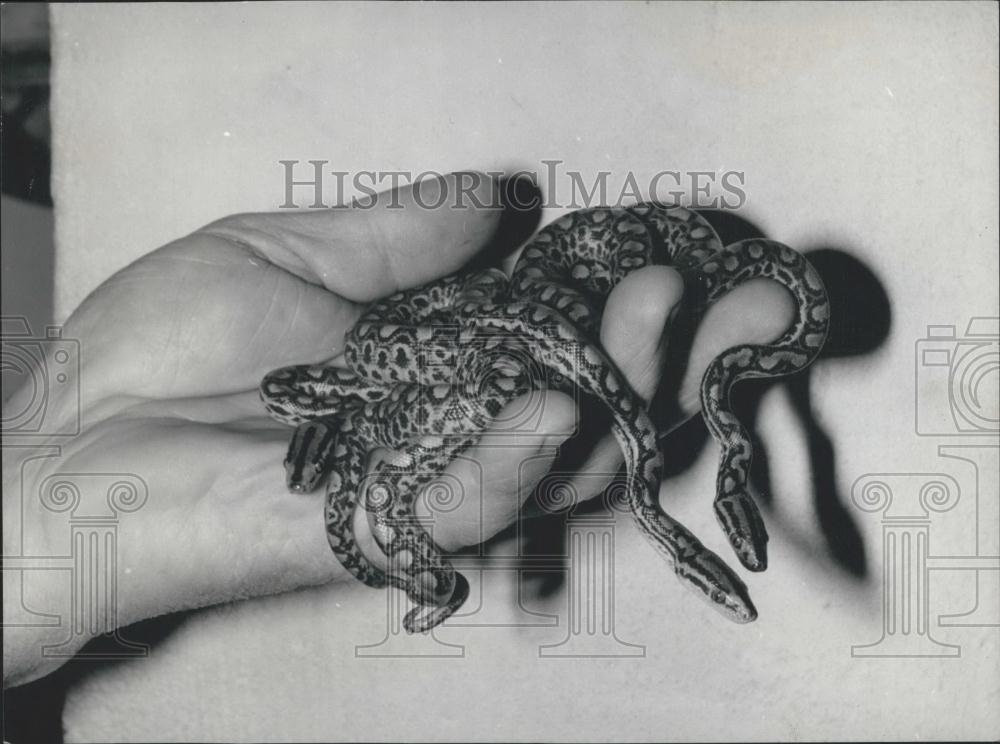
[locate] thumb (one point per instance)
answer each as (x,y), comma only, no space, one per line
(396,240)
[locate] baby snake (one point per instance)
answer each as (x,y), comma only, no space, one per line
(429,368)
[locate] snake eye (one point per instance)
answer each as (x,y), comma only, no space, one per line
(718,596)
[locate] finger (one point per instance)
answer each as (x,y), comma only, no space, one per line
(212,313)
(220,527)
(501,471)
(636,319)
(509,461)
(634,334)
(757,312)
(403,239)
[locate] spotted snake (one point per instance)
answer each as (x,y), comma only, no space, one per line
(429,368)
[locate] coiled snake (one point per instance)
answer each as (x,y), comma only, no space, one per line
(429,368)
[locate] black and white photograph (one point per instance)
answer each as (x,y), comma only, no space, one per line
(501,371)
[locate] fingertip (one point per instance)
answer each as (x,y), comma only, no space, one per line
(636,317)
(387,241)
(559,418)
(757,312)
(464,208)
(645,298)
(431,227)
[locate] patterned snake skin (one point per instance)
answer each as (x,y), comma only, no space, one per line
(428,369)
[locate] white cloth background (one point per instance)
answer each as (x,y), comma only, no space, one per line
(870,128)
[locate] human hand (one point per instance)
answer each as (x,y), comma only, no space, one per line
(174,347)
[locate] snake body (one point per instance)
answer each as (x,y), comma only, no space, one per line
(429,368)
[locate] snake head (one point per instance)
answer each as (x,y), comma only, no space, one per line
(302,478)
(309,455)
(422,618)
(432,586)
(743,524)
(712,580)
